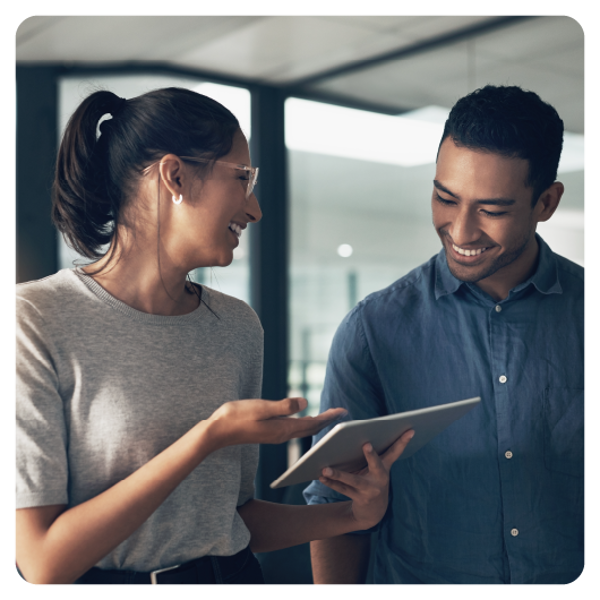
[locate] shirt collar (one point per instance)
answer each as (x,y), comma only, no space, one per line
(445,282)
(545,278)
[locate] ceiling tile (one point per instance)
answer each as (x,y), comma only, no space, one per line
(379,24)
(366,46)
(393,34)
(406,83)
(103,39)
(569,62)
(423,28)
(283,48)
(31,26)
(533,38)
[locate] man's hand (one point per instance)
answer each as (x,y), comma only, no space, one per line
(368,488)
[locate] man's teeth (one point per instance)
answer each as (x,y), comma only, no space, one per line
(469,252)
(236,229)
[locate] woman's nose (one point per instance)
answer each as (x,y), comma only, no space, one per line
(253,209)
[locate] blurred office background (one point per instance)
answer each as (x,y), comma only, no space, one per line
(344,116)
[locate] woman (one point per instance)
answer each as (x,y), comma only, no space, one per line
(135,453)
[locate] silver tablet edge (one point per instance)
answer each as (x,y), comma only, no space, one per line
(345,424)
(309,452)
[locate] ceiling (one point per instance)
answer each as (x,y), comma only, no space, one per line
(386,63)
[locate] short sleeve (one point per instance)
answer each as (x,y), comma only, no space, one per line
(41,436)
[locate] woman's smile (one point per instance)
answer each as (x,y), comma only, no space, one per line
(237,229)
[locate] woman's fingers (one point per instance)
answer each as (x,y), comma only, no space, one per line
(280,429)
(288,406)
(268,421)
(315,424)
(329,415)
(260,410)
(256,409)
(271,409)
(332,414)
(311,425)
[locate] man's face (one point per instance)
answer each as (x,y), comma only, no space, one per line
(482,212)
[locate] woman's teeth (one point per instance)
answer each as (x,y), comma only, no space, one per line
(469,252)
(235,228)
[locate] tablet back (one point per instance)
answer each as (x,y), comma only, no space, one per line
(342,446)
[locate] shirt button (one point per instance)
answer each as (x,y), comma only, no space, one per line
(498,308)
(508,454)
(514,532)
(502,379)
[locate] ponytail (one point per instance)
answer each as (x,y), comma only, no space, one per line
(82,207)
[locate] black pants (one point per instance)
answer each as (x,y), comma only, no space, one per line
(242,568)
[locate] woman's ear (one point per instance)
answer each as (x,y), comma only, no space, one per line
(172,174)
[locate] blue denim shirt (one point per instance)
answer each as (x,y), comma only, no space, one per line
(498,496)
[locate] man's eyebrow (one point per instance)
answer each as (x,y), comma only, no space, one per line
(440,187)
(486,201)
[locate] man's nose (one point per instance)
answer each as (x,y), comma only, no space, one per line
(464,230)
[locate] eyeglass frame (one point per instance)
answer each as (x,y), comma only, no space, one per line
(252,170)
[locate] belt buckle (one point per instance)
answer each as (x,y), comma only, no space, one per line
(153,574)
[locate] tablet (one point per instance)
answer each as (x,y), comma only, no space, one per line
(341,448)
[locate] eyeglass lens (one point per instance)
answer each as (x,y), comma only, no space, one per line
(251,182)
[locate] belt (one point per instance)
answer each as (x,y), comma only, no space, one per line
(207,569)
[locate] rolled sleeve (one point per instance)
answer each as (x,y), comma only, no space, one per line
(351,382)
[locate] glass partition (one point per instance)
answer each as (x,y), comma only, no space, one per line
(233,280)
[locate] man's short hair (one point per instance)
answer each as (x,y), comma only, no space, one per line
(510,121)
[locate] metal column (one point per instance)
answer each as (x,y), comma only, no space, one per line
(37,138)
(269,264)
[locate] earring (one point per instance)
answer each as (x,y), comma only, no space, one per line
(178,201)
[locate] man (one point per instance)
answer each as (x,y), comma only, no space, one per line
(498,496)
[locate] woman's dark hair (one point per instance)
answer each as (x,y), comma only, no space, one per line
(512,122)
(96,175)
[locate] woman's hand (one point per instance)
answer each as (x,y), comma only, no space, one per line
(368,488)
(265,421)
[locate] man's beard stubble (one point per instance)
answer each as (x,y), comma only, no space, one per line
(498,263)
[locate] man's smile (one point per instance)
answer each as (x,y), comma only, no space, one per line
(472,252)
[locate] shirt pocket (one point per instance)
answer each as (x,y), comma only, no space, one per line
(563,436)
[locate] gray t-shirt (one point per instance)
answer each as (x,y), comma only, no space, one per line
(102,388)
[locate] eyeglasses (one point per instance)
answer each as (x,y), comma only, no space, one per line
(252,172)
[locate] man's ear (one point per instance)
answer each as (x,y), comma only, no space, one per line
(172,174)
(548,201)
